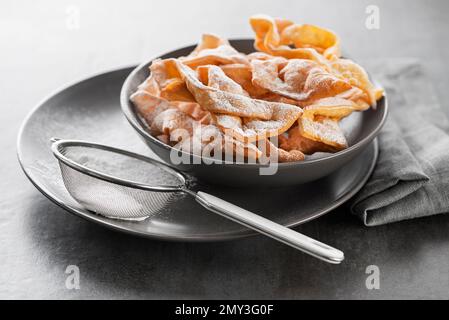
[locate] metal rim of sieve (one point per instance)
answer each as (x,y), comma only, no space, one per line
(59,144)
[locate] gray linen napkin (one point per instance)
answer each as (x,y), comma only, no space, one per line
(411,178)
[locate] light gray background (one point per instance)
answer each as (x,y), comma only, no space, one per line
(38,240)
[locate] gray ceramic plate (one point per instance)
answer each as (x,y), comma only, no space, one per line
(90,110)
(360,129)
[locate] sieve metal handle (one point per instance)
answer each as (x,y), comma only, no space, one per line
(270,228)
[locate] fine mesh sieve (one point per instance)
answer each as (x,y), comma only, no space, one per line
(123,185)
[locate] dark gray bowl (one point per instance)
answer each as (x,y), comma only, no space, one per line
(360,129)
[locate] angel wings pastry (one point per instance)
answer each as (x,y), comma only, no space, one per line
(287,98)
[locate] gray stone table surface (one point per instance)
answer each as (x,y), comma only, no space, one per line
(45,44)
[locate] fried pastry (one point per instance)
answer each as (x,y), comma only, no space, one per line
(218,102)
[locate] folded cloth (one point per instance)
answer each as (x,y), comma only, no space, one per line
(411,178)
